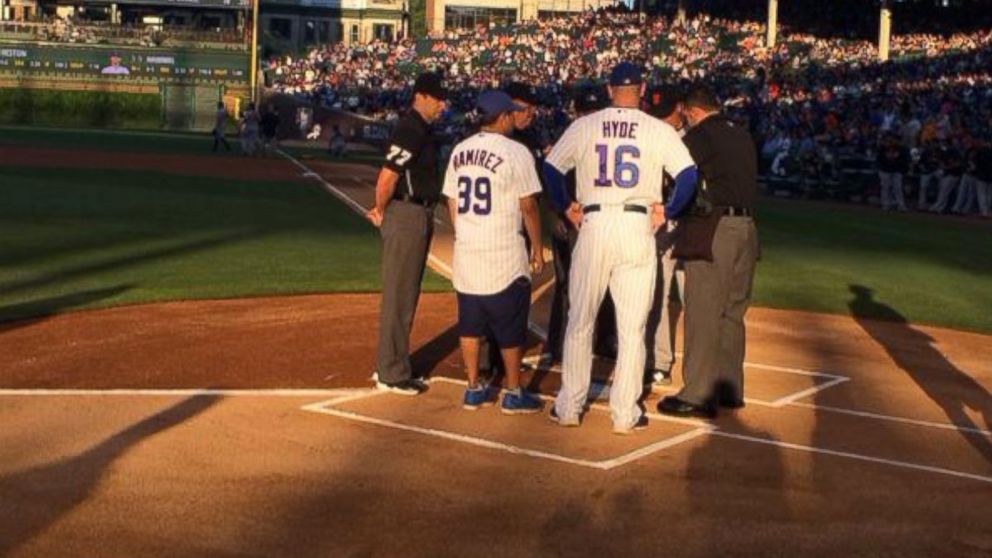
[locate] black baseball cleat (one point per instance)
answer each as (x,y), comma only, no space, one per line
(403,387)
(674,406)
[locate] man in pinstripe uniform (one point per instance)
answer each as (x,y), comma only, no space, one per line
(620,155)
(491,185)
(405,195)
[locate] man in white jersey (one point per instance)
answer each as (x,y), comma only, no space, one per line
(491,185)
(620,155)
(666,104)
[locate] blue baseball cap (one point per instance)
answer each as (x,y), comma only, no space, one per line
(625,73)
(493,103)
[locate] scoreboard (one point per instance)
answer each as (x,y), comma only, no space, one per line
(123,63)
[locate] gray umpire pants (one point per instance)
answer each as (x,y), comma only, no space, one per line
(406,238)
(660,338)
(716,298)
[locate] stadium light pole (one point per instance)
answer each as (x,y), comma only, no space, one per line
(884,31)
(772,34)
(254,49)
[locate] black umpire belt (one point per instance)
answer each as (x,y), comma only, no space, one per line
(414,200)
(732,211)
(593,208)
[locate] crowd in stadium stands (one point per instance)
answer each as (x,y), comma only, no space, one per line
(825,114)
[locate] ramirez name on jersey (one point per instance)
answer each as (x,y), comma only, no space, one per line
(487,176)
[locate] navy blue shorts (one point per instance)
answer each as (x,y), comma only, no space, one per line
(504,314)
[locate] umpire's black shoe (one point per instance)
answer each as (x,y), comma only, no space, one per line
(403,387)
(674,406)
(732,403)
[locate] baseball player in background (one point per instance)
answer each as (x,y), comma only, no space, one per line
(491,185)
(665,103)
(620,155)
(220,125)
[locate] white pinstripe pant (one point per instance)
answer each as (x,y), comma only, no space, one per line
(616,249)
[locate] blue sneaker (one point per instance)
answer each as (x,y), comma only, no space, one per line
(477,397)
(520,402)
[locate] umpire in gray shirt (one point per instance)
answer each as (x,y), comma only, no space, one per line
(406,192)
(719,246)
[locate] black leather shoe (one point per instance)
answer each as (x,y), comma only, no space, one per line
(731,403)
(676,407)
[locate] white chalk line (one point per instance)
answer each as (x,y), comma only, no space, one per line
(471,440)
(783,401)
(856,456)
(904,420)
(326,407)
(331,189)
(183,392)
(435,262)
(701,428)
(533,362)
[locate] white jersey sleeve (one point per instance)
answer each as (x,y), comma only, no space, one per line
(525,171)
(450,186)
(564,155)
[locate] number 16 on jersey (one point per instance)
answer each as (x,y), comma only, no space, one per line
(625,173)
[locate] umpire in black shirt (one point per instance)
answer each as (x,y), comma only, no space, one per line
(719,243)
(406,192)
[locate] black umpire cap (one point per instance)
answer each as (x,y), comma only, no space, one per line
(522,92)
(430,83)
(662,100)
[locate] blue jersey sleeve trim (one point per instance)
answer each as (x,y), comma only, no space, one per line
(554,183)
(685,191)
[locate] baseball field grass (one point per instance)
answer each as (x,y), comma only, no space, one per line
(146,142)
(102,237)
(92,238)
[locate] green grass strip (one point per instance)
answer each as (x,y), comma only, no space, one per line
(86,239)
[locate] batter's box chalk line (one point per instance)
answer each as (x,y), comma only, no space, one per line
(702,428)
(602,390)
(328,408)
(788,400)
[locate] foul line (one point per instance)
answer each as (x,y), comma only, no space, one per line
(856,456)
(917,422)
(182,392)
(436,263)
(701,429)
(333,190)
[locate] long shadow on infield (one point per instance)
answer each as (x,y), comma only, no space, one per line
(36,498)
(913,351)
(128,260)
(34,311)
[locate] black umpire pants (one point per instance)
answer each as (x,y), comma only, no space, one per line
(406,233)
(717,295)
